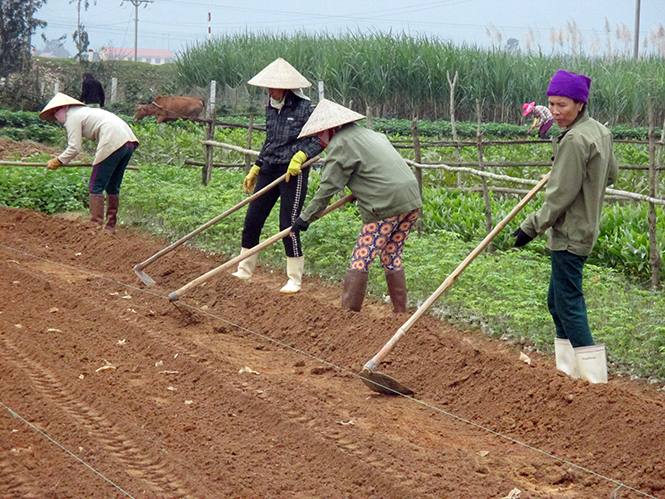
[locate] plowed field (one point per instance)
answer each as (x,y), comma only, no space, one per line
(109,390)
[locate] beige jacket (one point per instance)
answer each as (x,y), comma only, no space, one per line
(109,131)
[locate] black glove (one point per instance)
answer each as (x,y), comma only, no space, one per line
(299,225)
(521,238)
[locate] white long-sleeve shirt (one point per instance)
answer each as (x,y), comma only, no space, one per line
(109,131)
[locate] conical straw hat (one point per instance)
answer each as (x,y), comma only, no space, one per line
(60,99)
(327,115)
(280,74)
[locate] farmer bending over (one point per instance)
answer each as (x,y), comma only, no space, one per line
(115,145)
(541,117)
(386,190)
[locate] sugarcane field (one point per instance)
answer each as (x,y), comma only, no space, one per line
(363,266)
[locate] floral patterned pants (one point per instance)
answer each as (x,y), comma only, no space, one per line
(385,237)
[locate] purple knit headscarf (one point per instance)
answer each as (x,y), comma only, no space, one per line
(572,85)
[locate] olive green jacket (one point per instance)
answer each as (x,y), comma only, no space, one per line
(366,162)
(583,167)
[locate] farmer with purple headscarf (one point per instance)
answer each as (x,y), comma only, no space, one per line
(583,167)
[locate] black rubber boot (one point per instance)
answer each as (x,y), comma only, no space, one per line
(396,281)
(353,294)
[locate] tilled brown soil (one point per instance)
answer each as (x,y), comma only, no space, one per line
(109,390)
(11,149)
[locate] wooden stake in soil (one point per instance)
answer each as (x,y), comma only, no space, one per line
(452,121)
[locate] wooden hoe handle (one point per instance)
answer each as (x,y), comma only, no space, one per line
(175,295)
(210,223)
(376,360)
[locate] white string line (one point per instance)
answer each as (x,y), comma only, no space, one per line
(343,370)
(13,413)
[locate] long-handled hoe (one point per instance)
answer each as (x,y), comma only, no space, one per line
(147,280)
(383,383)
(175,295)
(70,165)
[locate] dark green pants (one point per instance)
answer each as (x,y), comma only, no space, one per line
(107,175)
(565,299)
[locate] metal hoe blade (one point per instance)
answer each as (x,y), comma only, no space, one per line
(382,383)
(147,280)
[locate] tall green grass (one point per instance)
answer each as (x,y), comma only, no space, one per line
(400,75)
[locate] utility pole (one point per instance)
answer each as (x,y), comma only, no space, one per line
(78,30)
(636,44)
(136,3)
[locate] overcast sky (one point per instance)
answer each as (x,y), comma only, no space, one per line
(176,24)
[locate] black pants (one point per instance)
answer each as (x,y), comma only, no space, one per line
(292,194)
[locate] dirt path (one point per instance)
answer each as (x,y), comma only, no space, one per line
(108,390)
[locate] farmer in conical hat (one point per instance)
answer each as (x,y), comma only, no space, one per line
(283,152)
(115,145)
(583,167)
(385,188)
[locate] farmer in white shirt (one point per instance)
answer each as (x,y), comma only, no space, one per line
(115,145)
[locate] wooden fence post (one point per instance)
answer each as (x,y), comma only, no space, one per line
(653,187)
(114,89)
(452,122)
(250,130)
(419,171)
(368,118)
(481,167)
(210,134)
(659,157)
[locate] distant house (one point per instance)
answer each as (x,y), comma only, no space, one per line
(151,56)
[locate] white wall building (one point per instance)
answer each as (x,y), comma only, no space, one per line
(151,56)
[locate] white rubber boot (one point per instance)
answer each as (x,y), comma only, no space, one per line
(565,357)
(294,269)
(592,362)
(246,267)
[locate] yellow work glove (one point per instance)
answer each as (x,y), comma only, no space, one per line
(250,180)
(53,164)
(295,165)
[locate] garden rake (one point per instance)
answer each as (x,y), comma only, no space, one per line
(382,383)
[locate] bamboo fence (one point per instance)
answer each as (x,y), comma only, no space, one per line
(478,169)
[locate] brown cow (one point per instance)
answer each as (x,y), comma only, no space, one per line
(170,108)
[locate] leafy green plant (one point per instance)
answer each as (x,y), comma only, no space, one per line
(44,190)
